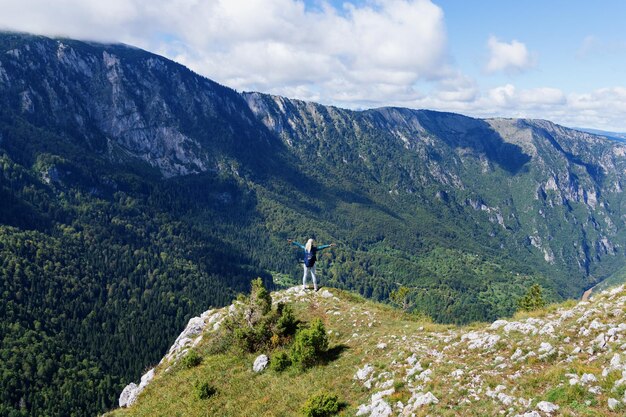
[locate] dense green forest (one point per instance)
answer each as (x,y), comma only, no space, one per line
(89,301)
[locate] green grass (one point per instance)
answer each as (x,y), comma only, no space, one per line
(354,336)
(241,392)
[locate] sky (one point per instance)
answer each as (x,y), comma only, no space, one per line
(559,60)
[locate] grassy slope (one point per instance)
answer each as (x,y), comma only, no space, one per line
(358,326)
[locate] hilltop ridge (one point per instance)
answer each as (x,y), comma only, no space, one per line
(568,359)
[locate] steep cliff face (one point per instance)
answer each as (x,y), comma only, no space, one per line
(126,103)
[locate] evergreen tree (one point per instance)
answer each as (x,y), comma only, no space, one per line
(533,299)
(401,297)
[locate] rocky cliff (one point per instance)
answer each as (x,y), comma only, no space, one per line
(126,103)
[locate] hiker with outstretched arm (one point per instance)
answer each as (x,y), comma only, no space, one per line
(310,256)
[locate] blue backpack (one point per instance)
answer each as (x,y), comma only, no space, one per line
(309,257)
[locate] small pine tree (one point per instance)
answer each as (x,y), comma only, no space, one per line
(260,297)
(287,323)
(401,297)
(533,299)
(260,303)
(280,362)
(309,345)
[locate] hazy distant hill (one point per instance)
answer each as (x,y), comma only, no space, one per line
(136,194)
(620,137)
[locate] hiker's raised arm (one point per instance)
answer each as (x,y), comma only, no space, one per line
(293,242)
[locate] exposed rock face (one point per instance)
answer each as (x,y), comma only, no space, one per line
(547,407)
(131,391)
(192,334)
(126,103)
(377,407)
(128,395)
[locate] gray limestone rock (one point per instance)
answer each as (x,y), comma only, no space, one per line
(128,395)
(260,363)
(131,391)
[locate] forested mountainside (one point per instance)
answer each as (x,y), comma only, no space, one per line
(136,194)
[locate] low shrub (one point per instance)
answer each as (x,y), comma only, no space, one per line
(280,362)
(321,405)
(204,390)
(191,359)
(252,339)
(309,345)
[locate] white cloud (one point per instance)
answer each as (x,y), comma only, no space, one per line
(456,88)
(588,45)
(507,57)
(268,45)
(375,54)
(502,96)
(542,96)
(602,108)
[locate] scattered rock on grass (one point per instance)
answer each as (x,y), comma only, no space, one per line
(260,363)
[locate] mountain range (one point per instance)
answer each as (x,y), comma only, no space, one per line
(136,194)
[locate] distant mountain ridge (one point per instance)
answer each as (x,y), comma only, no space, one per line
(139,193)
(620,137)
(452,152)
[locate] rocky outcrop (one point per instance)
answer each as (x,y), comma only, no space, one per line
(131,391)
(260,363)
(188,338)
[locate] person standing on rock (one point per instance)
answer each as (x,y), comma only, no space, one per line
(310,256)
